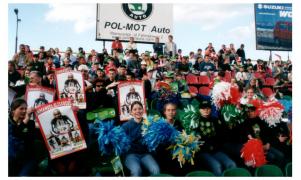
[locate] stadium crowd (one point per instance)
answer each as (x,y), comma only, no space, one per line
(186,78)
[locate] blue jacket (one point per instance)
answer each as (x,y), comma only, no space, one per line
(133,130)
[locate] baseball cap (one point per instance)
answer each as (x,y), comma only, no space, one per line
(205,104)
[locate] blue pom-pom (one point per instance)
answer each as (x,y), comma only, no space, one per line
(286,103)
(111,138)
(159,132)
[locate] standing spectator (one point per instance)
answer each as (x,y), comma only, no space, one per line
(170,48)
(241,53)
(13,74)
(131,45)
(158,47)
(191,59)
(133,64)
(199,54)
(117,45)
(209,49)
(21,59)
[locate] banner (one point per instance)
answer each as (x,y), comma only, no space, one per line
(60,128)
(273,24)
(129,92)
(143,21)
(38,95)
(70,84)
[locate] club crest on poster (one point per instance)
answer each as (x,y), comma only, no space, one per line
(60,128)
(129,92)
(70,84)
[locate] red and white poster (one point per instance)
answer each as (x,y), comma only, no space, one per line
(60,128)
(70,84)
(38,95)
(128,92)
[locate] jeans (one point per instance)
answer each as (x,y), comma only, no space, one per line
(217,162)
(134,161)
(276,157)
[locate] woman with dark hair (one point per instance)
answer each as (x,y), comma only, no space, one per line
(20,137)
(138,155)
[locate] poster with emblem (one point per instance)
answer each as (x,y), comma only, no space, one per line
(129,92)
(60,128)
(70,84)
(39,95)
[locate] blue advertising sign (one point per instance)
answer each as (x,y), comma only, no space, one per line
(273,24)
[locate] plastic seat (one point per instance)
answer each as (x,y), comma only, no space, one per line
(204,90)
(267,92)
(193,89)
(192,79)
(240,172)
(288,169)
(200,174)
(162,175)
(204,80)
(268,171)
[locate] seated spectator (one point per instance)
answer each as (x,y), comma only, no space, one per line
(138,155)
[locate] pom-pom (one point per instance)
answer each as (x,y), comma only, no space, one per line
(111,138)
(232,115)
(190,118)
(253,154)
(185,148)
(159,132)
(271,112)
(221,93)
(287,104)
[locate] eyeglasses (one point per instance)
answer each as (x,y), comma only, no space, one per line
(98,85)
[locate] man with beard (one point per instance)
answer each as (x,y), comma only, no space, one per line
(132,96)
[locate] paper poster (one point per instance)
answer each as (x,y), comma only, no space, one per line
(60,128)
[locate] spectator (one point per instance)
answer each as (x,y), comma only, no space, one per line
(21,139)
(117,45)
(241,53)
(170,47)
(138,154)
(158,47)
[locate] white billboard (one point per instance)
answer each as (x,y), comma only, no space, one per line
(143,21)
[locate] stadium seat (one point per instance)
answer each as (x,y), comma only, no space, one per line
(236,172)
(192,79)
(288,169)
(200,174)
(162,175)
(193,89)
(204,80)
(268,171)
(267,92)
(204,90)
(269,82)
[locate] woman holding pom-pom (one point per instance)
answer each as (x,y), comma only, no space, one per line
(138,154)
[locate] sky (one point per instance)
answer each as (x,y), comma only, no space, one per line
(195,25)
